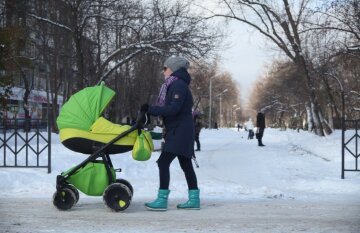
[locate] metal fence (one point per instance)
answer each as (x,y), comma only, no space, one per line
(25,144)
(350,146)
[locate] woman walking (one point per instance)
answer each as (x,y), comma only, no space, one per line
(174,104)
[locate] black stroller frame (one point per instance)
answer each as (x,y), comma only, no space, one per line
(67,195)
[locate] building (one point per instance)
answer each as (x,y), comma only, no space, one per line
(47,66)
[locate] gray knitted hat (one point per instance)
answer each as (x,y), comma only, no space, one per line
(175,63)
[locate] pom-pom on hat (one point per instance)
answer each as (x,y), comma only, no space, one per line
(175,63)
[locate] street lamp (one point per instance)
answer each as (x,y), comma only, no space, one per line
(220,95)
(234,110)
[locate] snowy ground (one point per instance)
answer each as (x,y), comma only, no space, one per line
(291,185)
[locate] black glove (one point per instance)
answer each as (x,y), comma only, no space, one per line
(146,119)
(144,108)
(145,115)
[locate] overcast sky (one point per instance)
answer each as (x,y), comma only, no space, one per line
(246,58)
(246,55)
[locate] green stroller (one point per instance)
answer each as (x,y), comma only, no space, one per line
(83,130)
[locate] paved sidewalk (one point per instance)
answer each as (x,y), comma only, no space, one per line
(90,215)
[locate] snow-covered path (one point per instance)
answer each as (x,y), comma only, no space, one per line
(291,185)
(291,166)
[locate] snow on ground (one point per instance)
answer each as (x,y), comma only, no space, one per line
(292,166)
(292,180)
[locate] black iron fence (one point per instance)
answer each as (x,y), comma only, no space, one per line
(350,146)
(25,143)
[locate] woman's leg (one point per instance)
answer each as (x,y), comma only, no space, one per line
(187,167)
(164,162)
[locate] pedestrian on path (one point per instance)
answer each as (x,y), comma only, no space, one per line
(198,127)
(250,127)
(175,104)
(260,124)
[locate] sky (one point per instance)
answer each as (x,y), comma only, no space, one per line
(245,58)
(245,53)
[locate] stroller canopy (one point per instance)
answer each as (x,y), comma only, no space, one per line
(85,107)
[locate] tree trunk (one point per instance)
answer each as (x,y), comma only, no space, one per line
(331,118)
(310,121)
(301,62)
(316,118)
(27,125)
(331,99)
(280,120)
(79,62)
(325,124)
(25,97)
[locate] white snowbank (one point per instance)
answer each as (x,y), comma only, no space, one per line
(292,166)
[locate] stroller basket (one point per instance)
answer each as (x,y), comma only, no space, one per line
(92,179)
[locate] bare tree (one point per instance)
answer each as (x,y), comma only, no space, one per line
(117,40)
(205,72)
(14,57)
(282,94)
(336,33)
(281,23)
(164,29)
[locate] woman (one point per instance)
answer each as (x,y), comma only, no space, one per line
(174,104)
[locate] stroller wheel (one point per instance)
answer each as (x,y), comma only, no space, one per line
(76,192)
(127,184)
(64,199)
(117,197)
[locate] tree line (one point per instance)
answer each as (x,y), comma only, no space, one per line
(66,45)
(318,43)
(63,46)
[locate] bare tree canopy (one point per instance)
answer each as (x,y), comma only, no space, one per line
(70,45)
(286,24)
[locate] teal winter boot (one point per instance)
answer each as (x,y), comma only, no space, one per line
(160,204)
(194,201)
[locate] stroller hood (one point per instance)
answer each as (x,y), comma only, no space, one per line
(84,107)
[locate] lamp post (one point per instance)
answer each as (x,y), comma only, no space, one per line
(220,95)
(234,110)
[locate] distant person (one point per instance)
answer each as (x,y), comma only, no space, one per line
(238,126)
(216,126)
(198,127)
(260,124)
(250,127)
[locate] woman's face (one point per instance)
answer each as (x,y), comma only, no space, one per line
(167,72)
